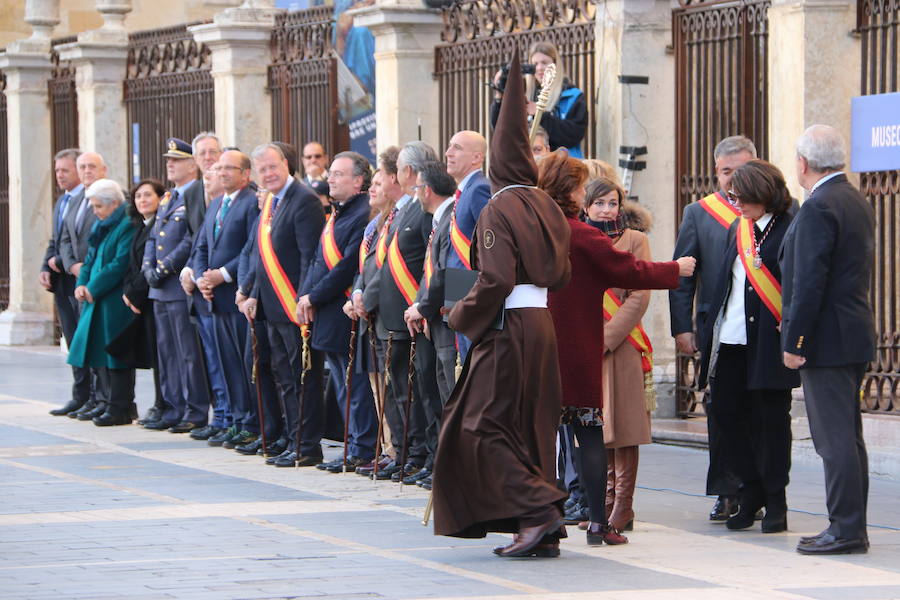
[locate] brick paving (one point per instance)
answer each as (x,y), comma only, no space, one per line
(121,512)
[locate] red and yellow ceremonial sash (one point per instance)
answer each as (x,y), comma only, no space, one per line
(283,287)
(638,336)
(462,245)
(720,209)
(400,272)
(363,251)
(762,280)
(330,250)
(429,269)
(381,246)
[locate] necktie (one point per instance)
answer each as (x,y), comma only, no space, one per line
(79,216)
(220,216)
(275,200)
(61,214)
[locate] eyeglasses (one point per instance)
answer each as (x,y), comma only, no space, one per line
(311,156)
(418,187)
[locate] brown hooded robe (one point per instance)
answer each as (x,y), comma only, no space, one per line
(497,448)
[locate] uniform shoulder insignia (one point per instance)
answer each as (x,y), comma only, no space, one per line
(489,239)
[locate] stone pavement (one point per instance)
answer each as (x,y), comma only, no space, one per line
(122,512)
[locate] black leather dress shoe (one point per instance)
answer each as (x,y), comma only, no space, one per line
(274,448)
(223,436)
(184,427)
(416,477)
(159,425)
(271,460)
(204,433)
(85,408)
(309,461)
(807,539)
(325,466)
(352,463)
(425,483)
(98,410)
(152,414)
(241,439)
(828,544)
(249,449)
(526,541)
(577,514)
(408,470)
(388,471)
(114,417)
(288,459)
(70,406)
(724,507)
(367,469)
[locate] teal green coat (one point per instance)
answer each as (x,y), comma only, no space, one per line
(109,253)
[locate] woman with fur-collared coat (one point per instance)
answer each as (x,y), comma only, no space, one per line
(626,413)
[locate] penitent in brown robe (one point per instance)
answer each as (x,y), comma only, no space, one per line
(495,466)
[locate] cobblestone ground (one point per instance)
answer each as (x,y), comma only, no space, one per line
(123,512)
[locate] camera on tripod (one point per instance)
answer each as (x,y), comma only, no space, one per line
(500,85)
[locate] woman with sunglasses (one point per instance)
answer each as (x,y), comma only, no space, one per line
(750,388)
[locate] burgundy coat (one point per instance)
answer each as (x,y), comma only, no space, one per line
(577,309)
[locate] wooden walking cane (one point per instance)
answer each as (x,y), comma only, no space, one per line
(348,383)
(306,366)
(409,399)
(254,378)
(379,399)
(388,356)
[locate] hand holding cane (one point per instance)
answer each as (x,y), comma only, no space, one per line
(348,383)
(254,378)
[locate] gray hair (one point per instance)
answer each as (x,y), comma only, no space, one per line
(261,149)
(205,135)
(361,167)
(416,154)
(72,153)
(823,148)
(107,191)
(734,144)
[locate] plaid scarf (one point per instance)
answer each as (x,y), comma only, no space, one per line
(613,229)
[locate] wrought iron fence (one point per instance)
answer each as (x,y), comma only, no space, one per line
(168,93)
(481,35)
(302,81)
(4,199)
(879,24)
(721,89)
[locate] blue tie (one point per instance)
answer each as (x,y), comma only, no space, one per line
(61,214)
(274,205)
(223,210)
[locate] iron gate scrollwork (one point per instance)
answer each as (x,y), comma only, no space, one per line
(168,93)
(481,35)
(879,24)
(302,81)
(721,89)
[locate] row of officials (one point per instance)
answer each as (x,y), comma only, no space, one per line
(258,300)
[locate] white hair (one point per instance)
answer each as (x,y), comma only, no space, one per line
(107,191)
(416,154)
(823,148)
(262,148)
(205,135)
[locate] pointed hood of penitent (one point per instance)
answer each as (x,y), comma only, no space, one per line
(512,162)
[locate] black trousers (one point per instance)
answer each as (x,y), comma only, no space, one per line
(429,393)
(721,477)
(67,308)
(832,405)
(273,414)
(116,387)
(755,424)
(285,343)
(395,405)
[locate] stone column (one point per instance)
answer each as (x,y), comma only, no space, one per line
(814,63)
(405,36)
(631,39)
(239,41)
(26,63)
(99,57)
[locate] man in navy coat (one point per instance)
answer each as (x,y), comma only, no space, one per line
(295,219)
(226,228)
(828,330)
(326,290)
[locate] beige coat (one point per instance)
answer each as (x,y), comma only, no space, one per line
(625,415)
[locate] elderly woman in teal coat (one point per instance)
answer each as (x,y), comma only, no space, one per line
(103,314)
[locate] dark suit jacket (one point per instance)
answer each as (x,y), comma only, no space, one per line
(134,286)
(73,241)
(224,251)
(56,234)
(765,369)
(327,288)
(296,228)
(471,201)
(430,298)
(246,271)
(826,262)
(168,248)
(195,206)
(413,226)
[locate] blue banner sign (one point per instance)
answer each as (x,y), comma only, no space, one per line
(875,133)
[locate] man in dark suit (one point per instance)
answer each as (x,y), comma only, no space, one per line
(321,304)
(828,330)
(52,277)
(293,220)
(315,163)
(181,369)
(436,190)
(72,250)
(217,248)
(391,292)
(704,234)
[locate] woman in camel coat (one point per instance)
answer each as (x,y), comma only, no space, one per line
(626,409)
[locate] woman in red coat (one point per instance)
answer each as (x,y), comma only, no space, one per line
(577,313)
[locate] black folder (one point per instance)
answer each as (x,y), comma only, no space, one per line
(457,283)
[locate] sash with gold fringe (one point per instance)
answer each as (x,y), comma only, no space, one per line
(762,280)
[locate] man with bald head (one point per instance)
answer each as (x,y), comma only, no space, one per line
(73,243)
(465,160)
